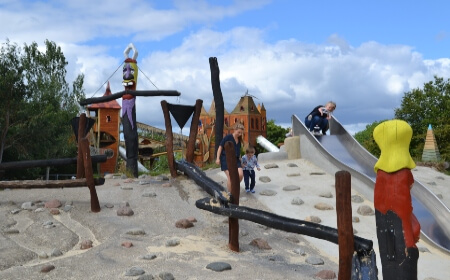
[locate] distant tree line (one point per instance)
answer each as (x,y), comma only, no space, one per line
(36,105)
(420,108)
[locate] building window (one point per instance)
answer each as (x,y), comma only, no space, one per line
(235,120)
(226,121)
(252,108)
(252,125)
(108,118)
(242,108)
(257,124)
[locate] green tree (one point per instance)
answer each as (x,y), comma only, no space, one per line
(44,103)
(13,93)
(365,138)
(422,107)
(275,133)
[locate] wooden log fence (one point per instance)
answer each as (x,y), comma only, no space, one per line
(85,176)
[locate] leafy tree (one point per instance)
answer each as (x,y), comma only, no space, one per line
(275,133)
(13,93)
(43,103)
(422,107)
(365,138)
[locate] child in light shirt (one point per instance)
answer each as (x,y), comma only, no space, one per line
(249,162)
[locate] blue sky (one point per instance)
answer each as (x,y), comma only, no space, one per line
(292,55)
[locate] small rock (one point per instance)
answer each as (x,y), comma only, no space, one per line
(317,173)
(291,188)
(47,268)
(260,243)
(313,219)
(109,205)
(126,188)
(365,210)
(144,182)
(134,271)
(54,211)
(127,244)
(56,253)
(11,231)
(270,165)
(125,211)
(300,251)
(326,274)
(28,206)
(86,244)
(184,223)
(264,179)
(323,206)
(42,255)
(297,201)
(136,231)
(149,194)
(292,165)
(268,192)
(54,203)
(357,199)
(355,219)
(15,211)
(166,276)
(326,194)
(165,185)
(293,239)
(314,260)
(219,266)
(149,257)
(293,174)
(172,242)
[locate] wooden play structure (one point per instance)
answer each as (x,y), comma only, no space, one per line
(105,131)
(357,259)
(430,150)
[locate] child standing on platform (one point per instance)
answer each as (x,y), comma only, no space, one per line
(249,162)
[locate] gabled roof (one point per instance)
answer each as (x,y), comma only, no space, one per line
(246,106)
(106,105)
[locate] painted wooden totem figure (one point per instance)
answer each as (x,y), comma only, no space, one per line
(130,75)
(397,228)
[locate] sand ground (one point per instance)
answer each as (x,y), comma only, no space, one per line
(24,237)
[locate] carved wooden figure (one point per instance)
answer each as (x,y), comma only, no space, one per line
(397,228)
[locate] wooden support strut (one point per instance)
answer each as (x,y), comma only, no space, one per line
(95,204)
(344,223)
(169,139)
(233,223)
(193,132)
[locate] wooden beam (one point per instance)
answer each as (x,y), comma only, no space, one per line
(46,162)
(42,184)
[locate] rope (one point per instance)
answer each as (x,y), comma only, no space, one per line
(106,80)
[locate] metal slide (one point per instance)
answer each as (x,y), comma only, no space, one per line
(340,151)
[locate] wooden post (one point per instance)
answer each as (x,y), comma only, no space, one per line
(344,224)
(193,132)
(81,128)
(233,223)
(169,139)
(84,144)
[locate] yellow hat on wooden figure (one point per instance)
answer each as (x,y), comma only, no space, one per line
(393,138)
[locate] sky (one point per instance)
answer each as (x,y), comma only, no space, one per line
(291,55)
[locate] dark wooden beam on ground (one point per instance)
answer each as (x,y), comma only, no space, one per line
(50,184)
(279,222)
(46,162)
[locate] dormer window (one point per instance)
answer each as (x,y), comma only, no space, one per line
(242,108)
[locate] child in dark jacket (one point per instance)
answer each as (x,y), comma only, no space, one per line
(319,117)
